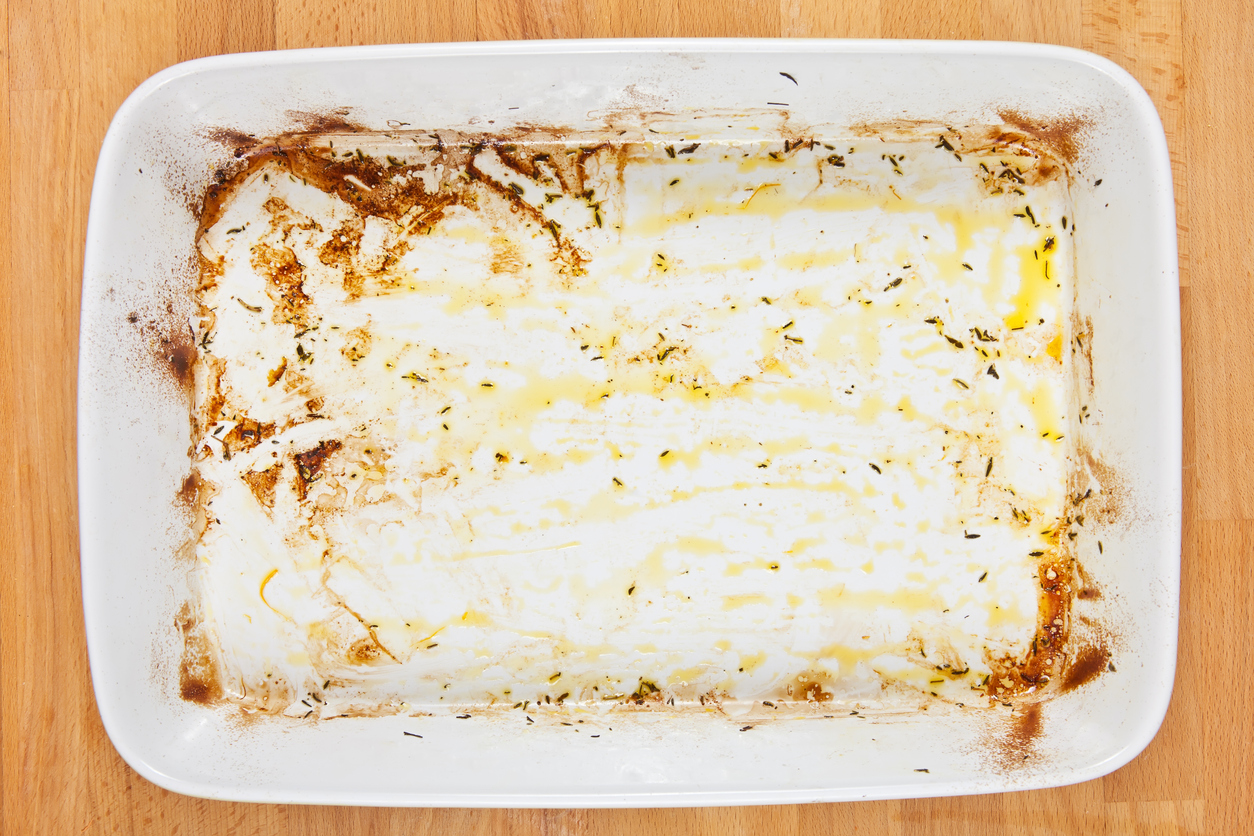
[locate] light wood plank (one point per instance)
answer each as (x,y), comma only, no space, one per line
(508,20)
(1155,818)
(1221,46)
(224,26)
(633,19)
(43,39)
(1074,809)
(45,690)
(306,23)
(963,816)
(939,19)
(1224,548)
(874,818)
(10,543)
(829,19)
(1047,23)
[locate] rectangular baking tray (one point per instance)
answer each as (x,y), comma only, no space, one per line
(162,150)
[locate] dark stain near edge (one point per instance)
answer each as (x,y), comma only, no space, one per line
(1025,728)
(170,343)
(309,465)
(198,672)
(240,143)
(180,358)
(329,122)
(1088,664)
(1062,135)
(189,493)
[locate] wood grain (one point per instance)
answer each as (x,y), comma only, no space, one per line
(1222,257)
(68,64)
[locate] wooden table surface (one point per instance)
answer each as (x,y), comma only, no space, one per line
(68,64)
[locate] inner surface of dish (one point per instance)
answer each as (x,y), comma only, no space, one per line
(633,420)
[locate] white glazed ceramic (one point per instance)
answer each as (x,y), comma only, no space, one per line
(133,427)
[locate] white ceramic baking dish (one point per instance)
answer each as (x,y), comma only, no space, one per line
(162,149)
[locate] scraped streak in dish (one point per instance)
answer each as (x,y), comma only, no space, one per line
(564,419)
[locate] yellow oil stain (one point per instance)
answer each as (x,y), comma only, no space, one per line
(262,592)
(735,602)
(853,331)
(1054,348)
(690,458)
(847,658)
(700,545)
(685,676)
(811,296)
(912,602)
(520,552)
(1043,405)
(749,264)
(814,259)
(830,596)
(1036,294)
(762,564)
(805,543)
(432,636)
(751,662)
(758,191)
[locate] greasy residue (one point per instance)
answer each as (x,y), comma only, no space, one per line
(358,427)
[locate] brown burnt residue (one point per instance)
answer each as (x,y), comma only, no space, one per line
(646,691)
(189,493)
(199,680)
(1088,664)
(209,272)
(335,121)
(190,502)
(390,188)
(1046,150)
(1053,665)
(309,465)
(246,435)
(175,353)
(341,250)
(285,277)
(238,142)
(1086,588)
(394,189)
(1047,655)
(1063,136)
(356,344)
(1106,503)
(1017,744)
(807,687)
(213,398)
(285,219)
(262,484)
(364,651)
